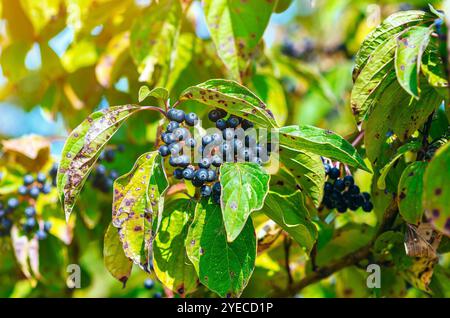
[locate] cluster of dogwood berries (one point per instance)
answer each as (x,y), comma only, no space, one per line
(343,194)
(103,178)
(224,145)
(20,208)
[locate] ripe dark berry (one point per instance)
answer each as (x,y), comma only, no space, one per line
(47,226)
(215,115)
(23,190)
(157,295)
(328,187)
(221,124)
(204,163)
(327,168)
(233,122)
(28,179)
(190,142)
(100,170)
(110,154)
(206,140)
(149,283)
(184,161)
(212,176)
(178,174)
(196,182)
(41,235)
(175,148)
(202,174)
(349,181)
(181,133)
(191,119)
(164,151)
(41,178)
(34,192)
(53,171)
(358,200)
(29,224)
(217,188)
(176,115)
(174,161)
(216,161)
(30,212)
(46,189)
(341,207)
(354,189)
(339,185)
(13,203)
(188,173)
(366,196)
(7,224)
(246,124)
(205,191)
(334,173)
(216,198)
(169,138)
(367,206)
(172,126)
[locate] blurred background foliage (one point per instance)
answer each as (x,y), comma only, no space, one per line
(62,59)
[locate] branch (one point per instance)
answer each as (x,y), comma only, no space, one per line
(287,246)
(348,260)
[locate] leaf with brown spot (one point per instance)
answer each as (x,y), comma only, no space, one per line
(113,256)
(82,149)
(244,188)
(436,179)
(223,267)
(138,201)
(236,28)
(232,97)
(410,187)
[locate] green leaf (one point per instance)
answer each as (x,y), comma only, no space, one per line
(40,12)
(112,60)
(408,57)
(138,200)
(321,142)
(236,28)
(81,54)
(172,266)
(401,151)
(82,149)
(290,212)
(397,112)
(244,188)
(223,267)
(433,67)
(390,27)
(154,37)
(307,170)
(158,93)
(436,193)
(272,93)
(410,190)
(114,258)
(232,97)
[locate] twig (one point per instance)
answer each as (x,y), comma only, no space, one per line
(287,246)
(348,260)
(358,139)
(425,134)
(158,109)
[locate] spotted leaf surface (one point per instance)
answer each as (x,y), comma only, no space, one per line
(410,190)
(153,38)
(114,258)
(436,193)
(244,188)
(291,214)
(232,97)
(138,200)
(322,142)
(236,28)
(223,267)
(408,57)
(172,265)
(82,149)
(307,170)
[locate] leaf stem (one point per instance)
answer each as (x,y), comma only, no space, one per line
(358,139)
(158,109)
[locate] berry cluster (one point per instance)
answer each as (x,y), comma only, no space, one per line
(213,149)
(26,196)
(103,178)
(150,284)
(343,194)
